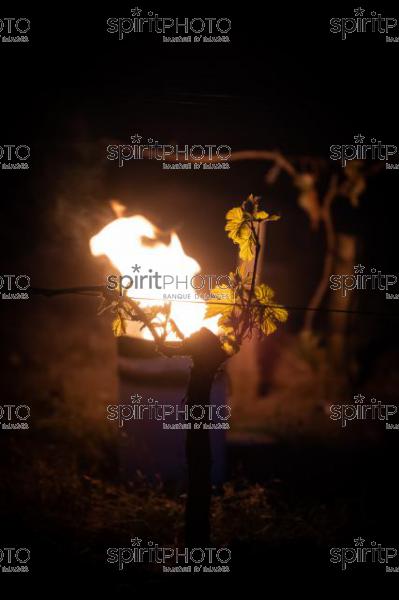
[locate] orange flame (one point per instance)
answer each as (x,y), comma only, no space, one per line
(135,241)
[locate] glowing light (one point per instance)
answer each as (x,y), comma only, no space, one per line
(128,241)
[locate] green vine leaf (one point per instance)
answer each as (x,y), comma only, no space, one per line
(118,326)
(221,302)
(239,230)
(240,225)
(268,314)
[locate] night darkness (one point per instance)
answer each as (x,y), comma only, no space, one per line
(290,483)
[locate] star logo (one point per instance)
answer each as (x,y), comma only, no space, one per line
(358,268)
(359,399)
(136,268)
(135,541)
(358,138)
(135,399)
(136,11)
(358,11)
(359,541)
(136,138)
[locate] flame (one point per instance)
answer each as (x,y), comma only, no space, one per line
(130,241)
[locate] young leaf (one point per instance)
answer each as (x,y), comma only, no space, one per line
(246,248)
(238,226)
(220,303)
(272,313)
(118,326)
(237,223)
(261,215)
(264,293)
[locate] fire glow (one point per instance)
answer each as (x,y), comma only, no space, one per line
(134,241)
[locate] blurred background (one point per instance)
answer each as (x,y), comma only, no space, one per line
(292,482)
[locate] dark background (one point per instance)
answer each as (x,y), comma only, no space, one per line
(283,82)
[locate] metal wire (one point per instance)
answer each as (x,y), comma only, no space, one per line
(97,290)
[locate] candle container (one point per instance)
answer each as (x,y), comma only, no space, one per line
(152,415)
